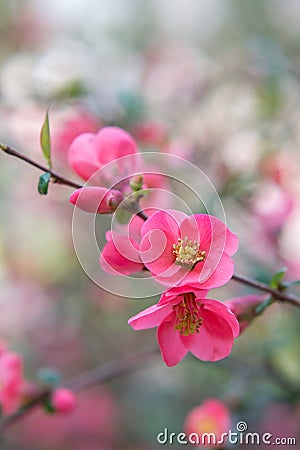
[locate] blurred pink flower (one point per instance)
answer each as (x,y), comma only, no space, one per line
(180,149)
(178,249)
(150,133)
(69,128)
(187,321)
(212,416)
(96,199)
(244,308)
(11,380)
(90,152)
(272,205)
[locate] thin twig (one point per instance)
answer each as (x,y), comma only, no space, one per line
(142,215)
(99,374)
(39,399)
(277,293)
(55,176)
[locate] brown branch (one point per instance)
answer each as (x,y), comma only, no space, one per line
(142,215)
(99,374)
(55,176)
(277,293)
(243,279)
(38,400)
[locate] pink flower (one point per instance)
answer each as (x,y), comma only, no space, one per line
(96,199)
(244,308)
(178,249)
(11,381)
(63,400)
(212,416)
(187,321)
(90,152)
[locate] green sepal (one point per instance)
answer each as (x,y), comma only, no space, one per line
(43,183)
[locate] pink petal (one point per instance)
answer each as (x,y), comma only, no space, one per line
(115,263)
(172,347)
(214,230)
(214,340)
(157,251)
(173,295)
(96,199)
(164,220)
(222,310)
(150,317)
(208,277)
(126,246)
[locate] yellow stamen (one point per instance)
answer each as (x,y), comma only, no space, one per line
(188,320)
(188,252)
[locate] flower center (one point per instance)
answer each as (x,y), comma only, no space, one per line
(187,252)
(188,320)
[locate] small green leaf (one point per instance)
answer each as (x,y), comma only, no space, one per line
(45,140)
(278,277)
(44,183)
(264,305)
(49,376)
(48,407)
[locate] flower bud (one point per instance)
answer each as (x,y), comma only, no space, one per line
(136,183)
(96,199)
(244,308)
(63,400)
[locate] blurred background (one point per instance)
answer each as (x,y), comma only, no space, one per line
(214,81)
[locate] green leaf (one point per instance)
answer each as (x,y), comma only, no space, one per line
(277,278)
(48,407)
(44,183)
(264,305)
(49,376)
(45,140)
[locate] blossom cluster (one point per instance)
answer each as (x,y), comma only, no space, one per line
(187,255)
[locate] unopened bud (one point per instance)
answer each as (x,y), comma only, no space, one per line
(245,308)
(136,183)
(96,199)
(63,400)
